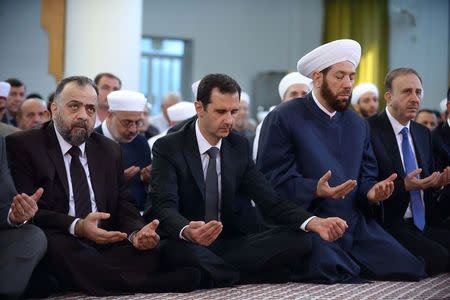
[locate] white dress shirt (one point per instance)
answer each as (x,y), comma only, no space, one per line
(398,135)
(106,131)
(65,147)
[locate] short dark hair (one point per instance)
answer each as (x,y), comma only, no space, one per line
(109,75)
(395,73)
(223,82)
(14,82)
(81,81)
(34,95)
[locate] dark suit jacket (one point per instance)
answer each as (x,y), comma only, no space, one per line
(441,145)
(7,189)
(389,161)
(36,161)
(441,148)
(178,186)
(135,153)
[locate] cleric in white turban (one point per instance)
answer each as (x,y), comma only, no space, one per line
(123,124)
(365,99)
(294,85)
(329,54)
(126,101)
(316,153)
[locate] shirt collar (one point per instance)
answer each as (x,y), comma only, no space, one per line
(106,131)
(448,122)
(330,114)
(203,144)
(396,124)
(65,146)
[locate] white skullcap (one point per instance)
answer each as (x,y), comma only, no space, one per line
(329,54)
(194,87)
(4,89)
(361,89)
(181,111)
(443,105)
(245,97)
(126,101)
(291,79)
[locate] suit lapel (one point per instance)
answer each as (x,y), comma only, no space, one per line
(54,152)
(193,159)
(390,141)
(96,173)
(227,175)
(418,140)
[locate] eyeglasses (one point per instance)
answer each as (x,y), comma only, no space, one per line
(129,123)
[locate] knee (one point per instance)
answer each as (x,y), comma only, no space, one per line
(438,262)
(34,242)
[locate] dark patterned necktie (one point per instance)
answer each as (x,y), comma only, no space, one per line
(80,186)
(212,187)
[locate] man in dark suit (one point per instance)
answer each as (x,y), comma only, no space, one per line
(441,148)
(404,147)
(197,173)
(97,241)
(21,245)
(122,123)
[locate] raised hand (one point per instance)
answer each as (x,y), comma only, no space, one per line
(24,207)
(146,174)
(413,183)
(146,238)
(325,191)
(382,190)
(128,173)
(88,228)
(203,234)
(329,229)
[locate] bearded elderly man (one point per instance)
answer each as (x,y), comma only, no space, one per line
(97,241)
(125,116)
(318,153)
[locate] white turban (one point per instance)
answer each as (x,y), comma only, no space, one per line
(194,88)
(443,105)
(329,54)
(291,79)
(4,89)
(181,111)
(361,89)
(126,101)
(245,97)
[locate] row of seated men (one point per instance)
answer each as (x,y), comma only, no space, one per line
(337,199)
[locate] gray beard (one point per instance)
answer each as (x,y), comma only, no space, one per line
(75,135)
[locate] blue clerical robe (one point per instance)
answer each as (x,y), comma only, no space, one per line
(299,143)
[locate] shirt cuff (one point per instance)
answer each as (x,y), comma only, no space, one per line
(12,224)
(130,236)
(303,226)
(181,233)
(72,226)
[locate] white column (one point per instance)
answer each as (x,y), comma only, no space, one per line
(104,36)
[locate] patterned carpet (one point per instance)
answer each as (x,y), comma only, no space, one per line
(437,287)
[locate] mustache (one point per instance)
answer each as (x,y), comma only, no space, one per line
(80,123)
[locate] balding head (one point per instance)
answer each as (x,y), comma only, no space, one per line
(32,112)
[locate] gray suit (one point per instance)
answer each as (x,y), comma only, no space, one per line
(6,129)
(20,248)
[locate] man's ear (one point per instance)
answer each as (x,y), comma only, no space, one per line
(199,107)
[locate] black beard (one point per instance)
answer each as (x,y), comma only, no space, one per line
(76,134)
(331,98)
